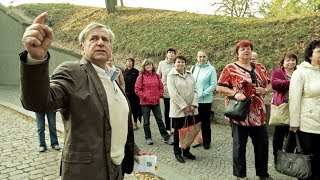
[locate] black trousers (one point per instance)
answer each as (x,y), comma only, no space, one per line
(280,132)
(135,107)
(167,119)
(178,124)
(259,137)
(310,144)
(204,117)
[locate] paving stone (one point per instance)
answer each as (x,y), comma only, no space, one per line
(19,176)
(22,148)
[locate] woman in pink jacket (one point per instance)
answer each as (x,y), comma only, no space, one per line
(149,88)
(280,81)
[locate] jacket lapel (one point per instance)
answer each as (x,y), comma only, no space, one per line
(97,83)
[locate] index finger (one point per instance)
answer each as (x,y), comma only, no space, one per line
(40,19)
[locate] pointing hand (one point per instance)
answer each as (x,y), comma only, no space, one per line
(37,38)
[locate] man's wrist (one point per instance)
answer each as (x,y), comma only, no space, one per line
(32,61)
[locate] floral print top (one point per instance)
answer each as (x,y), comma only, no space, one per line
(241,80)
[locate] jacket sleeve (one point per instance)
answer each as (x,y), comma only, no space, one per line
(173,91)
(39,93)
(195,96)
(161,86)
(138,87)
(122,82)
(159,72)
(212,81)
(295,96)
(278,82)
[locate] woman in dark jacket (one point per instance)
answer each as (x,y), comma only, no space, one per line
(130,76)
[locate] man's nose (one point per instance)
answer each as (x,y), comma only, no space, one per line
(100,42)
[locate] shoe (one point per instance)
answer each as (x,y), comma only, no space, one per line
(149,142)
(206,146)
(242,178)
(180,159)
(56,147)
(169,132)
(265,178)
(42,149)
(189,155)
(168,141)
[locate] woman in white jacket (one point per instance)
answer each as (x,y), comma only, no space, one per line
(304,105)
(183,102)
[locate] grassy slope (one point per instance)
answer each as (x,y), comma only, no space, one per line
(148,33)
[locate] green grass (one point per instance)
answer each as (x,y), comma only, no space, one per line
(148,33)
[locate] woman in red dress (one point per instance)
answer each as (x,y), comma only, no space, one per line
(244,80)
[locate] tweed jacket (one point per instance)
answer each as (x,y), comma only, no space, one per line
(76,89)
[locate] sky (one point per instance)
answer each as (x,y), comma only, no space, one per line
(196,6)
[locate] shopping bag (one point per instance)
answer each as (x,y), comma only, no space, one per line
(188,133)
(293,164)
(198,140)
(279,115)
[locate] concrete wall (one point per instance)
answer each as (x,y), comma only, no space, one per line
(11,31)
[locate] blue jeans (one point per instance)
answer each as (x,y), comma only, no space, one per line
(146,121)
(51,116)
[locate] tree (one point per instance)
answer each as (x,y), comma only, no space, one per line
(121,3)
(111,6)
(235,8)
(314,5)
(293,7)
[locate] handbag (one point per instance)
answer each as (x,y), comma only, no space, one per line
(187,134)
(293,164)
(279,115)
(237,110)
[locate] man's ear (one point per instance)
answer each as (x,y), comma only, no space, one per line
(81,48)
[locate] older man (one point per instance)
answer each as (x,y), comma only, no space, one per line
(98,139)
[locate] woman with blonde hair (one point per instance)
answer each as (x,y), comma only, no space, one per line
(149,88)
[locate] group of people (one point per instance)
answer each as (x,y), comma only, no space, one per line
(245,79)
(184,94)
(99,141)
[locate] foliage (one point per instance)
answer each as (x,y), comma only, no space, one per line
(148,33)
(234,8)
(292,7)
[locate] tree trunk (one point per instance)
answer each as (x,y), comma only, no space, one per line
(121,3)
(111,6)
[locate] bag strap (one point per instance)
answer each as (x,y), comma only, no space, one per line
(252,72)
(186,124)
(299,149)
(287,140)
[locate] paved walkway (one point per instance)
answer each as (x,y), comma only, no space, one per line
(19,158)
